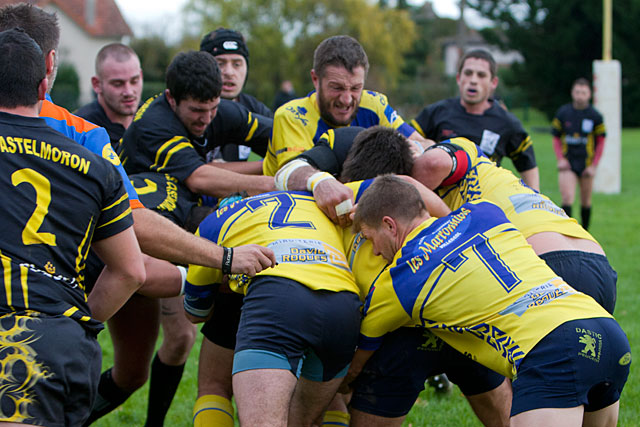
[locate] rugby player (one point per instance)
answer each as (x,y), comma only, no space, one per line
(472,279)
(60,200)
(340,67)
(477,116)
(578,141)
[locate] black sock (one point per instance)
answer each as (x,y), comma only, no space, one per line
(110,396)
(585,213)
(162,387)
(567,209)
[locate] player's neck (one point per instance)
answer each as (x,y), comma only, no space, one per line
(478,108)
(124,120)
(580,106)
(27,111)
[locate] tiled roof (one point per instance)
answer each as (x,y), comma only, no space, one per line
(107,21)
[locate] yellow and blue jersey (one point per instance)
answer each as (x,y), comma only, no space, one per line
(475,177)
(472,279)
(308,246)
(58,198)
(297,126)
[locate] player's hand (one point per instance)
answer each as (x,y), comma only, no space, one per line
(563,164)
(330,193)
(252,259)
(589,171)
(345,385)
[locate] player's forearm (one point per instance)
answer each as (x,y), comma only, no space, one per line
(249,168)
(163,239)
(557,147)
(217,182)
(531,177)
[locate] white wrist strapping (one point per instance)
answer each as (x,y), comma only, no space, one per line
(183,274)
(282,176)
(316,179)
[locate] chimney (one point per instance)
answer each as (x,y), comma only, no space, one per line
(90,12)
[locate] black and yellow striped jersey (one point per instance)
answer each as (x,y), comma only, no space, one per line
(157,141)
(57,197)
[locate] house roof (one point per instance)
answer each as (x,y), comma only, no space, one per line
(107,19)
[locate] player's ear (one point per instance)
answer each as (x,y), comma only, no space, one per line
(170,99)
(315,79)
(389,224)
(42,89)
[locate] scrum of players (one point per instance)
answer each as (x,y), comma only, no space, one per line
(362,256)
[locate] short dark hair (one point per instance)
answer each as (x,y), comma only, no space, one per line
(581,81)
(119,51)
(339,50)
(39,24)
(22,69)
(388,196)
(194,74)
(480,54)
(376,151)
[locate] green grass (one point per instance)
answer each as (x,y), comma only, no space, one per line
(615,223)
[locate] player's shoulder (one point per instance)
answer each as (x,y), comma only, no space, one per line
(157,117)
(373,100)
(65,118)
(297,107)
(254,105)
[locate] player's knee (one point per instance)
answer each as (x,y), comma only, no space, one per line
(178,344)
(133,381)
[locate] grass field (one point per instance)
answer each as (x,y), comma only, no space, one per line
(615,224)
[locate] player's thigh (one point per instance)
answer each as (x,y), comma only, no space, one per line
(214,370)
(567,181)
(263,396)
(134,330)
(310,400)
(549,417)
(216,352)
(605,417)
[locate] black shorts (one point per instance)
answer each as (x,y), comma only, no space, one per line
(581,362)
(392,379)
(586,272)
(577,164)
(222,327)
(51,365)
(283,323)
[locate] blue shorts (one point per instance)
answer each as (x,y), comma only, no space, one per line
(284,323)
(395,375)
(51,366)
(581,362)
(586,272)
(222,327)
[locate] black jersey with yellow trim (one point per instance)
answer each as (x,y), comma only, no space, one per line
(498,132)
(58,197)
(157,141)
(578,130)
(331,149)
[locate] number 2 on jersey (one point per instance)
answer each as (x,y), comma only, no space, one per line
(30,233)
(280,214)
